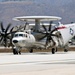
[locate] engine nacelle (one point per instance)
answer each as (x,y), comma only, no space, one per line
(58,40)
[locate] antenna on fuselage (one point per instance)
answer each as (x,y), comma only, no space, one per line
(26,26)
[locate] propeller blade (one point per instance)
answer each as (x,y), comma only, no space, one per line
(45,28)
(7,27)
(53,40)
(2,28)
(8,37)
(5,42)
(11,29)
(49,38)
(53,30)
(50,25)
(1,39)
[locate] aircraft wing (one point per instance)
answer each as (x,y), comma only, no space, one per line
(33,18)
(39,44)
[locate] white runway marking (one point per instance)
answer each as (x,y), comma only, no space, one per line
(43,63)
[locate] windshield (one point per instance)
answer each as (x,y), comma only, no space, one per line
(17,35)
(21,35)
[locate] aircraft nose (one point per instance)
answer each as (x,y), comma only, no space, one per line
(15,41)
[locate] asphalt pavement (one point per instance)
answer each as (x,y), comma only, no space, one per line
(38,63)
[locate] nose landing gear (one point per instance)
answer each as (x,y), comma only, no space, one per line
(54,50)
(16,51)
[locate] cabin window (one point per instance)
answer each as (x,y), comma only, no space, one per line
(26,35)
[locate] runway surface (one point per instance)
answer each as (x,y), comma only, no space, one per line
(39,63)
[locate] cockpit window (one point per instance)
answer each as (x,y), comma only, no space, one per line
(21,35)
(16,35)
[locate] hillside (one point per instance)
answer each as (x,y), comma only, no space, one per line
(13,8)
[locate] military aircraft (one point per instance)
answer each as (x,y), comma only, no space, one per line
(42,35)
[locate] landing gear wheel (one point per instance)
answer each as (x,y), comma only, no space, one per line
(53,50)
(65,50)
(20,52)
(56,49)
(31,51)
(15,51)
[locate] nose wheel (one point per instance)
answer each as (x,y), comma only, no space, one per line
(54,50)
(16,51)
(31,50)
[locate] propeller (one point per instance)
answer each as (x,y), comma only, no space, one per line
(5,34)
(48,33)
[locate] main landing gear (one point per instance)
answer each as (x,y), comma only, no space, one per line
(54,50)
(31,50)
(65,50)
